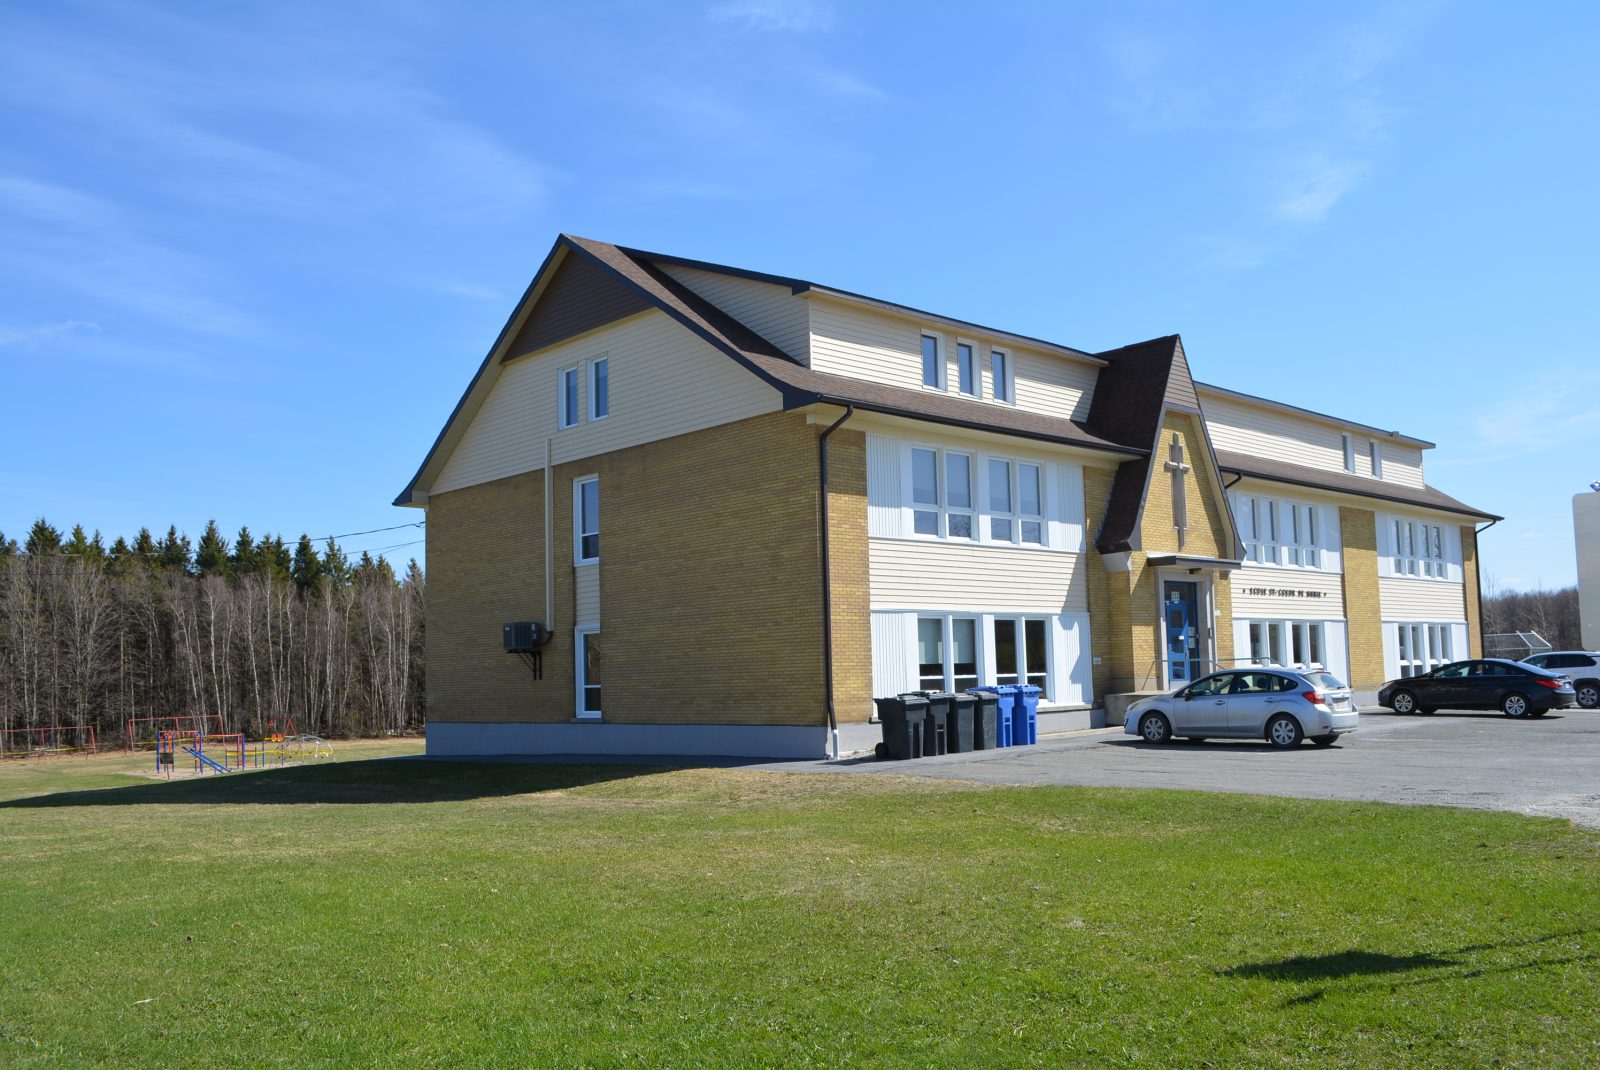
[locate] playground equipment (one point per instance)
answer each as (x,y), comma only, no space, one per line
(48,741)
(142,733)
(224,752)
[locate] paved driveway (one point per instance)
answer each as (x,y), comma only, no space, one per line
(1549,766)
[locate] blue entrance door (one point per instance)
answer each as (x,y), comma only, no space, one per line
(1183,640)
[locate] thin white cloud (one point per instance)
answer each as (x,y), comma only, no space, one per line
(28,337)
(774,16)
(1313,185)
(845,84)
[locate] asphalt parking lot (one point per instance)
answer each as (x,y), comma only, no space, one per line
(1548,766)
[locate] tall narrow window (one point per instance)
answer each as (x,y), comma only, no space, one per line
(1377,458)
(1000,373)
(964,653)
(1030,509)
(1000,524)
(599,389)
(930,653)
(1349,453)
(586,517)
(1036,663)
(932,366)
(966,369)
(588,654)
(958,491)
(1007,655)
(567,401)
(925,492)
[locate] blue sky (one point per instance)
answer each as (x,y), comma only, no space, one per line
(251,254)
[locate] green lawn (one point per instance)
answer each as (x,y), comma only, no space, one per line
(404,914)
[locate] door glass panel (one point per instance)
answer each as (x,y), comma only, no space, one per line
(1036,661)
(591,673)
(930,653)
(1005,652)
(964,648)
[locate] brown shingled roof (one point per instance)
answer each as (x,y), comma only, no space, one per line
(1364,486)
(802,386)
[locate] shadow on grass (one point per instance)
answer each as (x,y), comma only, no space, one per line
(375,781)
(1377,968)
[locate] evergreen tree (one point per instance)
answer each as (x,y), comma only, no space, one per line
(275,557)
(246,558)
(43,539)
(307,568)
(81,545)
(144,548)
(211,556)
(335,565)
(8,547)
(173,551)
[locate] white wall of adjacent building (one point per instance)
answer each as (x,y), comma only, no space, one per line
(1586,537)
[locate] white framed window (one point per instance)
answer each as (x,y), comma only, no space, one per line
(932,362)
(1349,453)
(587,646)
(586,520)
(1022,651)
(947,652)
(1257,519)
(1422,647)
(1419,549)
(1290,643)
(1376,455)
(599,388)
(567,398)
(942,494)
(1301,539)
(966,369)
(1002,524)
(1000,375)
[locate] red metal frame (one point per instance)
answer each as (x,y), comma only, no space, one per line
(36,742)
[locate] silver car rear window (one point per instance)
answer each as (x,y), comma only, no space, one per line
(1325,681)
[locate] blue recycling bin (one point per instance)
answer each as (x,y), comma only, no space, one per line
(1025,722)
(1005,707)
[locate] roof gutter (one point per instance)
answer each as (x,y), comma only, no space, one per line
(1478,575)
(827,582)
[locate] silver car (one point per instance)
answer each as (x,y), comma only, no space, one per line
(1282,706)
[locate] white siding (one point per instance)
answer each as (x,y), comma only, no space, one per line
(1071,669)
(884,511)
(1263,431)
(586,595)
(1403,598)
(894,669)
(772,311)
(1066,507)
(664,381)
(1391,652)
(1336,648)
(1250,603)
(935,575)
(886,348)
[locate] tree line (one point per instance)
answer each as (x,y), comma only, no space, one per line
(1553,614)
(250,633)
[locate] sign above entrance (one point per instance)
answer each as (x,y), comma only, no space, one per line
(1282,592)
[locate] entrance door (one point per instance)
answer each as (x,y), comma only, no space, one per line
(1180,619)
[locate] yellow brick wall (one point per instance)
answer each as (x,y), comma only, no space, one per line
(1469,576)
(1108,602)
(847,562)
(485,559)
(710,587)
(1206,535)
(1363,612)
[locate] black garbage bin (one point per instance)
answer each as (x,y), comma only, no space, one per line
(958,732)
(904,719)
(935,739)
(985,716)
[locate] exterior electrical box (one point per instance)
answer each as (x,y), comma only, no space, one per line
(525,636)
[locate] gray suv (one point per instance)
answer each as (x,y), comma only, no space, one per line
(1582,667)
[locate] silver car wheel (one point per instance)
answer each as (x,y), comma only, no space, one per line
(1514,705)
(1283,732)
(1589,695)
(1154,728)
(1403,702)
